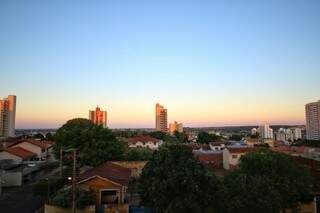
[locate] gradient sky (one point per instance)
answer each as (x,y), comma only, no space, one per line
(211,63)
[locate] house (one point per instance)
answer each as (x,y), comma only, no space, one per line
(144,141)
(232,155)
(109,181)
(42,149)
(17,154)
(136,167)
(217,146)
(212,159)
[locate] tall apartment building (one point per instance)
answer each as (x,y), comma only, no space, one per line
(161,118)
(8,116)
(175,126)
(265,132)
(98,117)
(313,120)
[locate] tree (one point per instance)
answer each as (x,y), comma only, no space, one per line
(95,143)
(49,136)
(164,137)
(236,137)
(137,154)
(64,198)
(174,181)
(38,136)
(273,178)
(181,137)
(206,138)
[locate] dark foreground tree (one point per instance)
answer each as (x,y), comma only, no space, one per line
(95,143)
(267,181)
(174,181)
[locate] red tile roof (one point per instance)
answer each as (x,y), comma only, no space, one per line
(108,170)
(143,139)
(216,157)
(242,149)
(41,144)
(20,152)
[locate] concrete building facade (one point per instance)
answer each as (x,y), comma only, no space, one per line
(161,118)
(175,126)
(313,120)
(98,117)
(8,116)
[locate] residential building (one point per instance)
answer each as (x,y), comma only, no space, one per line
(254,131)
(17,154)
(313,120)
(109,182)
(265,132)
(144,141)
(98,117)
(175,126)
(232,155)
(297,132)
(42,149)
(161,118)
(8,116)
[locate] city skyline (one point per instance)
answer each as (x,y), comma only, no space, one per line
(210,63)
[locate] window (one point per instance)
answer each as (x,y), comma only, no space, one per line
(234,156)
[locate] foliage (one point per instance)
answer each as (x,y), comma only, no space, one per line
(48,187)
(38,136)
(137,154)
(235,137)
(64,198)
(49,136)
(206,138)
(174,181)
(95,143)
(181,137)
(273,179)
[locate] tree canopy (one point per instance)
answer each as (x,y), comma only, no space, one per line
(206,138)
(95,143)
(266,181)
(136,154)
(174,181)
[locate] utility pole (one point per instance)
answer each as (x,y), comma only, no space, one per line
(74,182)
(60,162)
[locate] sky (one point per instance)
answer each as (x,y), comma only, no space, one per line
(210,63)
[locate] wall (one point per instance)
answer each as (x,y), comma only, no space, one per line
(97,184)
(56,209)
(12,179)
(6,155)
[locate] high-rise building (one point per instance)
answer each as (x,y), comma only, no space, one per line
(98,117)
(265,132)
(313,120)
(8,116)
(161,118)
(175,126)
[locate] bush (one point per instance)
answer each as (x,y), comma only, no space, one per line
(64,198)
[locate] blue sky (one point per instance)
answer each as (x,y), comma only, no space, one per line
(210,63)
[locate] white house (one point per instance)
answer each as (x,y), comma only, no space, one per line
(217,146)
(144,141)
(232,155)
(41,148)
(17,154)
